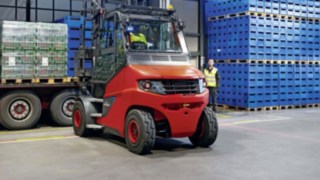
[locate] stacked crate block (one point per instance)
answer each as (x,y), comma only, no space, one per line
(264,85)
(301,8)
(267,51)
(75,24)
(33,50)
(267,38)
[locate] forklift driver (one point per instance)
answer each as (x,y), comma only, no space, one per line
(138,39)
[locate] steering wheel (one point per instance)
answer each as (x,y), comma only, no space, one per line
(137,45)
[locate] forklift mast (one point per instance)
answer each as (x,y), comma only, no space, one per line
(92,12)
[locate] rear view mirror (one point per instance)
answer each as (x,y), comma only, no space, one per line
(181,25)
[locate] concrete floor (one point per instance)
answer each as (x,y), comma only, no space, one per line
(264,145)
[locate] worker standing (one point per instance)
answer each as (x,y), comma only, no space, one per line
(212,81)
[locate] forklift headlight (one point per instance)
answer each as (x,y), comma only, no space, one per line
(147,85)
(152,86)
(202,85)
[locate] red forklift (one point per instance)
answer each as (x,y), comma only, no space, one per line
(142,84)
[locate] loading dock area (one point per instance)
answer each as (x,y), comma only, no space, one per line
(257,145)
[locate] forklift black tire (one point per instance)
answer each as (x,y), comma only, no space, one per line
(207,129)
(19,110)
(140,132)
(79,121)
(61,107)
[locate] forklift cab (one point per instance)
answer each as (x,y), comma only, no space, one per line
(125,39)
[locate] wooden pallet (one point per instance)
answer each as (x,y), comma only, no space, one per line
(248,109)
(237,61)
(300,106)
(283,16)
(54,80)
(18,81)
(313,105)
(81,79)
(263,14)
(229,16)
(76,79)
(255,109)
(223,106)
(313,62)
(307,106)
(269,108)
(286,107)
(249,61)
(39,80)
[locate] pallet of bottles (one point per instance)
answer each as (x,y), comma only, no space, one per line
(32,50)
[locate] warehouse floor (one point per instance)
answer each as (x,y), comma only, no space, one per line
(258,145)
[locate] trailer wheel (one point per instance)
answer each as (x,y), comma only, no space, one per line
(61,107)
(140,131)
(207,129)
(79,121)
(19,110)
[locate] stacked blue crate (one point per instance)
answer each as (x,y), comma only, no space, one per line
(306,86)
(224,7)
(264,85)
(88,32)
(292,39)
(301,8)
(74,39)
(316,83)
(263,38)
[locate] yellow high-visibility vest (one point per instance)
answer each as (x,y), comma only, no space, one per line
(211,77)
(138,38)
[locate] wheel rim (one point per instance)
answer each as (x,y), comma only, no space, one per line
(77,118)
(20,109)
(67,107)
(133,131)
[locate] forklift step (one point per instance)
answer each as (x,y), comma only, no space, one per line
(96,115)
(96,100)
(94,126)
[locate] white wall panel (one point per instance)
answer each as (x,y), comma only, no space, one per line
(7,13)
(187,10)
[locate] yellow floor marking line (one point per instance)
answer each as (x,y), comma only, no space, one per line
(245,122)
(253,121)
(39,138)
(222,116)
(34,130)
(34,139)
(225,124)
(238,122)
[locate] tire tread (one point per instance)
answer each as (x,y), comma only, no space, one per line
(149,134)
(211,135)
